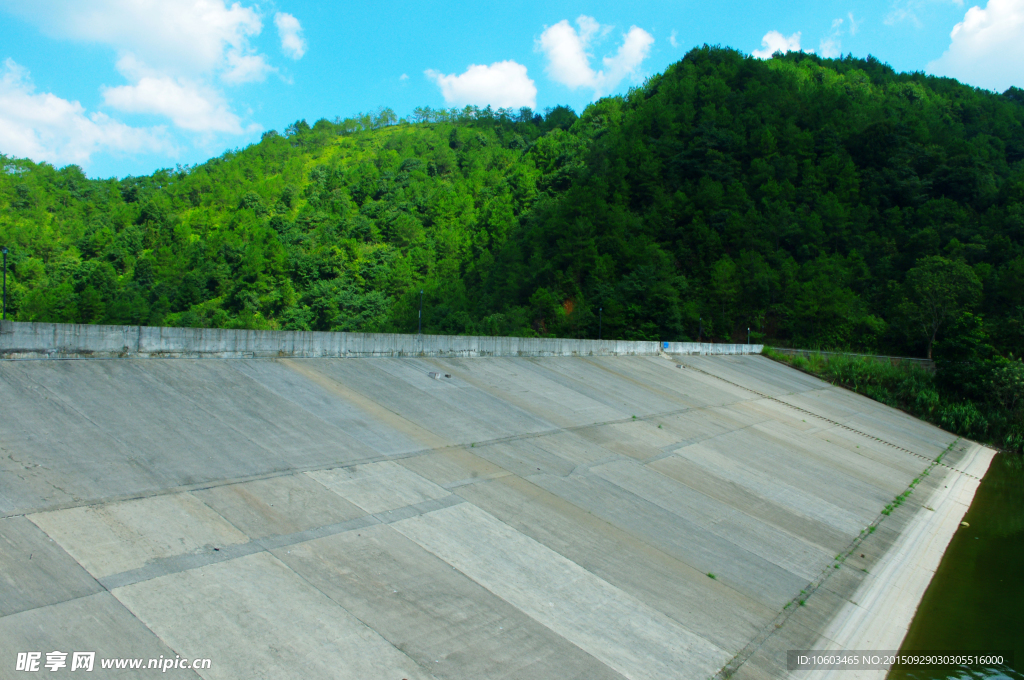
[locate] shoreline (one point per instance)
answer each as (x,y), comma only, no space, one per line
(878,615)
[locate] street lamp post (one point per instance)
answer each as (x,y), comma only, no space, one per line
(420,331)
(748,335)
(4,314)
(700,330)
(600,321)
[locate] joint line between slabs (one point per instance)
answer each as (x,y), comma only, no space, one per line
(829,420)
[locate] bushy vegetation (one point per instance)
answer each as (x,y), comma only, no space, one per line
(817,202)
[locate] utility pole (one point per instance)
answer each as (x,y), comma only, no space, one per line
(4,251)
(600,321)
(420,331)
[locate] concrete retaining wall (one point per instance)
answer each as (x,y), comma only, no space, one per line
(20,340)
(709,348)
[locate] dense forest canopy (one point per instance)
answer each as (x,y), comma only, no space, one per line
(819,203)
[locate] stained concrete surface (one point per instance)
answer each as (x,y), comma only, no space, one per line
(601,517)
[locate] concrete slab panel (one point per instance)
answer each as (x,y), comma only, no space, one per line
(379,487)
(513,384)
(697,425)
(257,619)
(749,533)
(35,571)
(651,371)
(525,457)
(624,396)
(638,376)
(602,620)
(681,592)
(52,454)
(284,504)
(777,511)
(95,623)
(116,537)
(859,473)
(869,416)
(751,575)
(773,410)
(358,432)
(421,410)
(774,488)
(870,448)
(785,455)
(754,373)
(146,426)
(435,614)
(493,417)
(639,440)
(453,468)
(368,397)
(711,390)
(579,447)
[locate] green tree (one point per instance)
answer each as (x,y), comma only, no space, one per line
(936,292)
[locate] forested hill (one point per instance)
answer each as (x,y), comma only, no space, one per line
(818,202)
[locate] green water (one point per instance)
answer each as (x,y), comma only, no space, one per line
(976,598)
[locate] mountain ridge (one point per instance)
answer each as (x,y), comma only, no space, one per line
(792,196)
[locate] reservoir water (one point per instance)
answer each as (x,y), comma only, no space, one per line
(976,598)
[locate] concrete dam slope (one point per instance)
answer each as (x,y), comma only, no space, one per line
(545,517)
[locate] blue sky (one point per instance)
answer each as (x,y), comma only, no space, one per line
(128,86)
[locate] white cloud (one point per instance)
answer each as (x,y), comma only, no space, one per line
(188,105)
(903,11)
(773,42)
(854,24)
(404,77)
(673,39)
(245,68)
(290,31)
(908,10)
(503,84)
(181,37)
(568,58)
(986,48)
(831,46)
(565,49)
(44,127)
(636,46)
(175,54)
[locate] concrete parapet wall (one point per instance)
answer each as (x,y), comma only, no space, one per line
(20,340)
(709,348)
